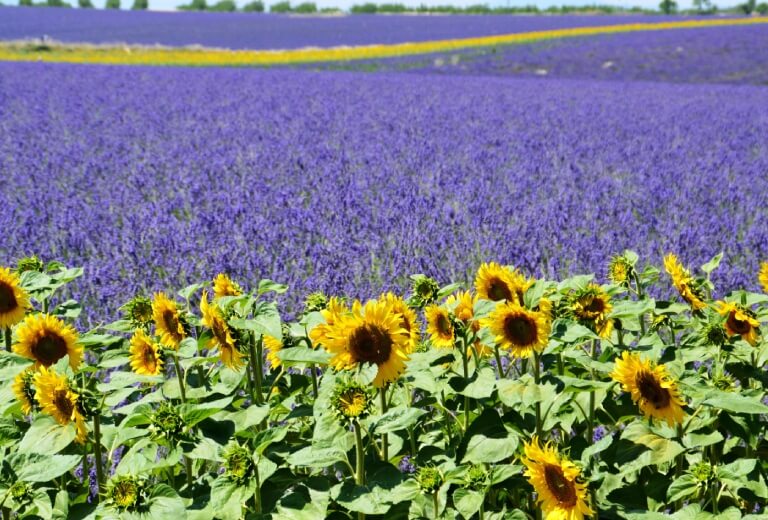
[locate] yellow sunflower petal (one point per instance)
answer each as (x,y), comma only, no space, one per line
(167,321)
(439,327)
(14,301)
(46,339)
(53,394)
(145,355)
(518,329)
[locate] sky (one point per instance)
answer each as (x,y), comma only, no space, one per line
(345,4)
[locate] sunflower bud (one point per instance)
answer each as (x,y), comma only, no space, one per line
(317,301)
(351,401)
(429,479)
(167,422)
(477,477)
(702,472)
(30,263)
(715,334)
(620,270)
(138,312)
(425,291)
(127,493)
(21,492)
(238,463)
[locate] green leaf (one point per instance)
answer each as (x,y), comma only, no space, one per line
(307,501)
(487,440)
(700,440)
(483,384)
(303,355)
(34,467)
(681,488)
(396,419)
(194,413)
(266,286)
(646,448)
(361,499)
(47,437)
(736,403)
(164,502)
(712,264)
(467,501)
(631,308)
(228,498)
(247,418)
(316,457)
(571,332)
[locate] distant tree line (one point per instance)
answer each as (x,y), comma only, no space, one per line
(284,6)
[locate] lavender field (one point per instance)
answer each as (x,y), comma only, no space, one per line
(725,55)
(347,182)
(274,31)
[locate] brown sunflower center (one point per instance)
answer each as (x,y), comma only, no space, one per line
(498,290)
(219,331)
(370,344)
(63,403)
(150,360)
(651,390)
(7,298)
(738,326)
(444,325)
(49,348)
(171,322)
(563,489)
(595,306)
(520,330)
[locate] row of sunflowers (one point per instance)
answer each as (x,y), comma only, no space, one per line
(522,398)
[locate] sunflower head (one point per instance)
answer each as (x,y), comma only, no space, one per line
(138,312)
(429,479)
(440,327)
(167,422)
(763,276)
(463,305)
(408,320)
(351,401)
(591,306)
(620,270)
(127,493)
(739,321)
(170,324)
(686,285)
(238,463)
(333,314)
(556,480)
(702,472)
(518,329)
(654,391)
(224,286)
(146,358)
(272,345)
(371,334)
(22,389)
(497,283)
(14,301)
(30,263)
(317,301)
(222,336)
(56,398)
(425,291)
(46,339)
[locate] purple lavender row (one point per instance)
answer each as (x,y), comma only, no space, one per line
(152,178)
(273,31)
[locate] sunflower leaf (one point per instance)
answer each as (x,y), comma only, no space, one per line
(47,437)
(34,467)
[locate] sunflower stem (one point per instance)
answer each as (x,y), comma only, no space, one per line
(436,505)
(359,455)
(188,471)
(180,377)
(560,364)
(313,370)
(591,421)
(384,436)
(97,452)
(536,379)
(499,369)
(465,363)
(257,492)
(8,339)
(254,358)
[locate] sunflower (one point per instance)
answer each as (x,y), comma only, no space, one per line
(651,387)
(46,339)
(463,305)
(439,327)
(684,282)
(497,283)
(222,336)
(373,334)
(145,355)
(333,313)
(273,346)
(351,401)
(138,311)
(763,276)
(22,389)
(739,322)
(519,330)
(561,494)
(57,399)
(14,301)
(620,270)
(224,286)
(591,306)
(167,321)
(408,319)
